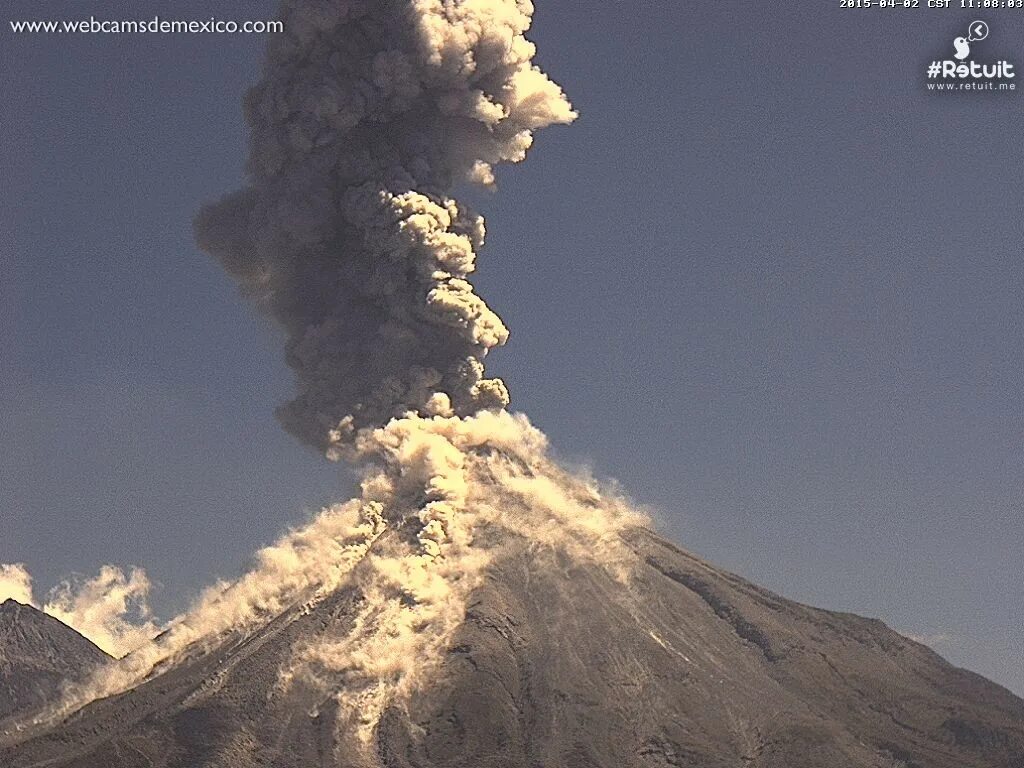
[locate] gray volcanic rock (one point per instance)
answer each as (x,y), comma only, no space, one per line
(559,664)
(38,654)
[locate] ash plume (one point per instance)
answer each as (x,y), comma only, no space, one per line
(366,117)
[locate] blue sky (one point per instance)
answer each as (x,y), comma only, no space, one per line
(767,281)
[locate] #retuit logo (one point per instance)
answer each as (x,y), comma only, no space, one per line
(963,72)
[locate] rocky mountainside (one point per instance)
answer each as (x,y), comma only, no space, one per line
(37,654)
(558,663)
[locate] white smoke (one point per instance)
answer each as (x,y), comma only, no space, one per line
(15,583)
(470,484)
(303,565)
(111,609)
(464,487)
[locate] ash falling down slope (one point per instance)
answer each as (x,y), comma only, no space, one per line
(477,605)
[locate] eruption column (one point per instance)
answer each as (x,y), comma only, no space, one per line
(367,114)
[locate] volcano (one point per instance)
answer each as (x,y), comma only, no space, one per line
(559,663)
(477,605)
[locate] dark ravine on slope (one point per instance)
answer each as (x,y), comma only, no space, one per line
(38,654)
(559,665)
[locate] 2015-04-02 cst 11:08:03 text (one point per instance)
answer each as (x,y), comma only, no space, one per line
(907,4)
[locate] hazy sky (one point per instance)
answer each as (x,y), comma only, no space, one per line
(767,281)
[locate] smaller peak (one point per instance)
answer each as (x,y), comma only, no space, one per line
(10,605)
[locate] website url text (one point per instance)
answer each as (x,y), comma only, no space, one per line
(156,25)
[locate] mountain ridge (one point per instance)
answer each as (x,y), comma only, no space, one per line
(560,662)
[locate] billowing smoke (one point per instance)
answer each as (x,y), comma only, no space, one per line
(111,608)
(366,117)
(441,497)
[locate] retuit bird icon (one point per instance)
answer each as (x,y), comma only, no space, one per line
(963,50)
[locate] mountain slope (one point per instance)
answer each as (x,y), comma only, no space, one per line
(37,654)
(558,663)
